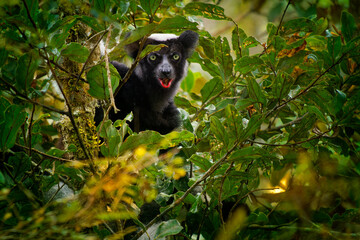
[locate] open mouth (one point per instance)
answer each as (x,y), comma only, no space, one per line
(165,82)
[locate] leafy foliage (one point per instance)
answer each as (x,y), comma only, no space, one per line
(269,147)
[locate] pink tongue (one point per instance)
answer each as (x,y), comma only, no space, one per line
(165,83)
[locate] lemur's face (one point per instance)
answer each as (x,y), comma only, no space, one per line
(168,65)
(165,68)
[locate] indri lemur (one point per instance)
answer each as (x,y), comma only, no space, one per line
(149,92)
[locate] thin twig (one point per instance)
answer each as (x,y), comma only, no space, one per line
(30,127)
(282,17)
(46,155)
(29,15)
(112,100)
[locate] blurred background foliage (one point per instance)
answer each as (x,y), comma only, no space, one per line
(269,147)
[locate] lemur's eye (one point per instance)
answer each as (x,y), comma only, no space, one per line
(152,57)
(176,56)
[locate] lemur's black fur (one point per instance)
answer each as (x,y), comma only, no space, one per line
(149,92)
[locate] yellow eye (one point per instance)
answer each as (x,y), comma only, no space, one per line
(152,57)
(176,56)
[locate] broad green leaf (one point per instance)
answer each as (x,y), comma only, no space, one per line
(348,26)
(3,56)
(211,88)
(188,83)
(237,38)
(14,117)
(76,52)
(271,29)
(185,104)
(338,102)
(282,85)
(123,6)
(233,120)
(247,64)
(301,130)
(151,48)
(150,6)
(150,139)
(297,25)
(112,140)
(27,65)
(245,154)
(92,22)
(168,228)
(98,81)
(101,5)
(217,128)
(20,164)
(4,104)
(32,9)
(256,93)
(176,23)
(206,65)
(202,160)
(253,125)
(206,10)
(223,57)
(250,42)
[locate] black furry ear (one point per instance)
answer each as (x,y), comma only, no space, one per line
(132,49)
(189,39)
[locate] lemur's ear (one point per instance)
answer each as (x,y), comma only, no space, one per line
(132,49)
(189,39)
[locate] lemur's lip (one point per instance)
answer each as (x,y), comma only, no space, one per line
(165,82)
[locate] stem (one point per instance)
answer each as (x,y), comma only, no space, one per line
(282,17)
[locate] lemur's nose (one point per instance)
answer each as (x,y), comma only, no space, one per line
(165,69)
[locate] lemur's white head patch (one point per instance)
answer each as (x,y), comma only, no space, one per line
(162,36)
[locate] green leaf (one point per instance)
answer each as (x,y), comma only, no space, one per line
(188,83)
(150,6)
(92,22)
(233,120)
(168,228)
(301,130)
(123,6)
(298,25)
(256,93)
(282,85)
(76,52)
(217,128)
(14,117)
(97,78)
(112,140)
(206,10)
(247,64)
(223,57)
(348,26)
(185,104)
(237,38)
(3,56)
(211,88)
(245,154)
(206,65)
(253,124)
(150,139)
(151,48)
(176,23)
(250,42)
(338,102)
(20,164)
(202,160)
(27,65)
